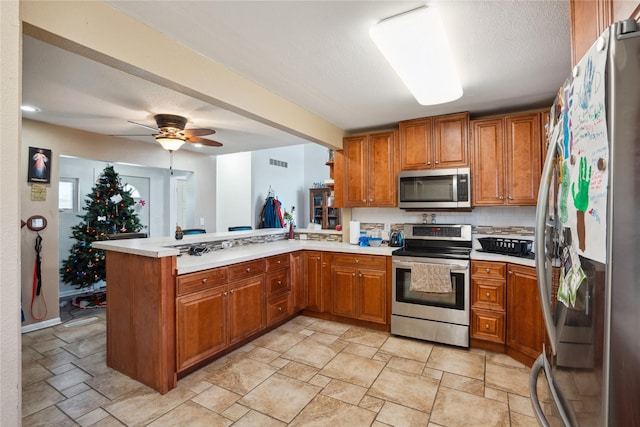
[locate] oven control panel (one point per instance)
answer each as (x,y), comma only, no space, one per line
(441,232)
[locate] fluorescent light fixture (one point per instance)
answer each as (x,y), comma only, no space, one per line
(170,144)
(415,45)
(30,109)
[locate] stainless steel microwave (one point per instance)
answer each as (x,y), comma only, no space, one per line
(435,189)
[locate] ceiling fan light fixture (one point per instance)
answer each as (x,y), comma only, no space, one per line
(415,45)
(169,143)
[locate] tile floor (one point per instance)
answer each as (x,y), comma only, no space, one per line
(308,372)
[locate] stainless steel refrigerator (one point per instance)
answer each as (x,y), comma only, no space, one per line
(588,242)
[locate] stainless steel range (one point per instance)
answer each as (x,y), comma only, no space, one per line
(422,307)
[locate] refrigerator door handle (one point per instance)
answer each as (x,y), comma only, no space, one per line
(538,366)
(542,364)
(541,215)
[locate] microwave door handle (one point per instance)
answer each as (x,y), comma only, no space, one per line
(455,188)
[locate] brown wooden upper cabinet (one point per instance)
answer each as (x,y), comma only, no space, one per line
(589,18)
(370,176)
(435,142)
(506,168)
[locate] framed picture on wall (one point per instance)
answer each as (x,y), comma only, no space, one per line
(39,165)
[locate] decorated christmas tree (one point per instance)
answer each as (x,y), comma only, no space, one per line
(110,210)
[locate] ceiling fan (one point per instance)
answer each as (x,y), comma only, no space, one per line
(172,133)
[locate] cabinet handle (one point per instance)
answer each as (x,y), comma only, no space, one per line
(360,275)
(486,326)
(501,197)
(279,282)
(204,280)
(488,270)
(357,260)
(353,274)
(428,163)
(224,294)
(488,294)
(437,162)
(248,269)
(279,308)
(510,272)
(510,197)
(232,291)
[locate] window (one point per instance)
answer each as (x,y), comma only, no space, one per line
(68,194)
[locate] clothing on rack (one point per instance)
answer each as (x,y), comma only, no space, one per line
(271,214)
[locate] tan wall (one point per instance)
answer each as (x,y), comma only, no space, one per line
(10,84)
(72,142)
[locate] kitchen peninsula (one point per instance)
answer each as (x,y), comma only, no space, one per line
(168,312)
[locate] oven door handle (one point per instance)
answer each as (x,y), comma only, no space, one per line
(453,266)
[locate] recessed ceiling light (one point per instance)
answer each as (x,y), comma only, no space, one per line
(30,109)
(197,144)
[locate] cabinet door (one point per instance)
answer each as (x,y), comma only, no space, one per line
(523,159)
(525,325)
(343,291)
(450,141)
(382,180)
(488,163)
(201,327)
(354,177)
(588,19)
(298,290)
(372,296)
(246,308)
(415,144)
(313,279)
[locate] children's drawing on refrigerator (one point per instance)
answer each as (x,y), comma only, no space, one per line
(580,135)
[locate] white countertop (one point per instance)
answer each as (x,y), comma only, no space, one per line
(165,246)
(477,255)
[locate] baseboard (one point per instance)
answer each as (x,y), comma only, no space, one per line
(40,325)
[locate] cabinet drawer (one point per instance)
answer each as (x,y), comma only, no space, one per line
(359,261)
(487,325)
(277,309)
(490,270)
(245,269)
(193,282)
(277,262)
(489,294)
(278,283)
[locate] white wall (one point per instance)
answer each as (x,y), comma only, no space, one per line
(286,182)
(233,195)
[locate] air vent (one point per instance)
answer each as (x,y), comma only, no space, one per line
(280,163)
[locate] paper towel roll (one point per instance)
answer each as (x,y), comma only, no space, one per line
(354,232)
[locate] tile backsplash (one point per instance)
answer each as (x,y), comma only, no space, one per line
(520,216)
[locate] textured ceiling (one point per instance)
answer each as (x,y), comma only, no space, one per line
(317,54)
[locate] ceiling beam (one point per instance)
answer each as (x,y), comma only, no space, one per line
(99,32)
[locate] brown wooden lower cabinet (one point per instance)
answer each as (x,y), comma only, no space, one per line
(505,310)
(313,278)
(525,325)
(201,325)
(246,308)
(160,325)
(358,285)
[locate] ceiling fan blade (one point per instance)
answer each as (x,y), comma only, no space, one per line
(203,141)
(144,126)
(198,132)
